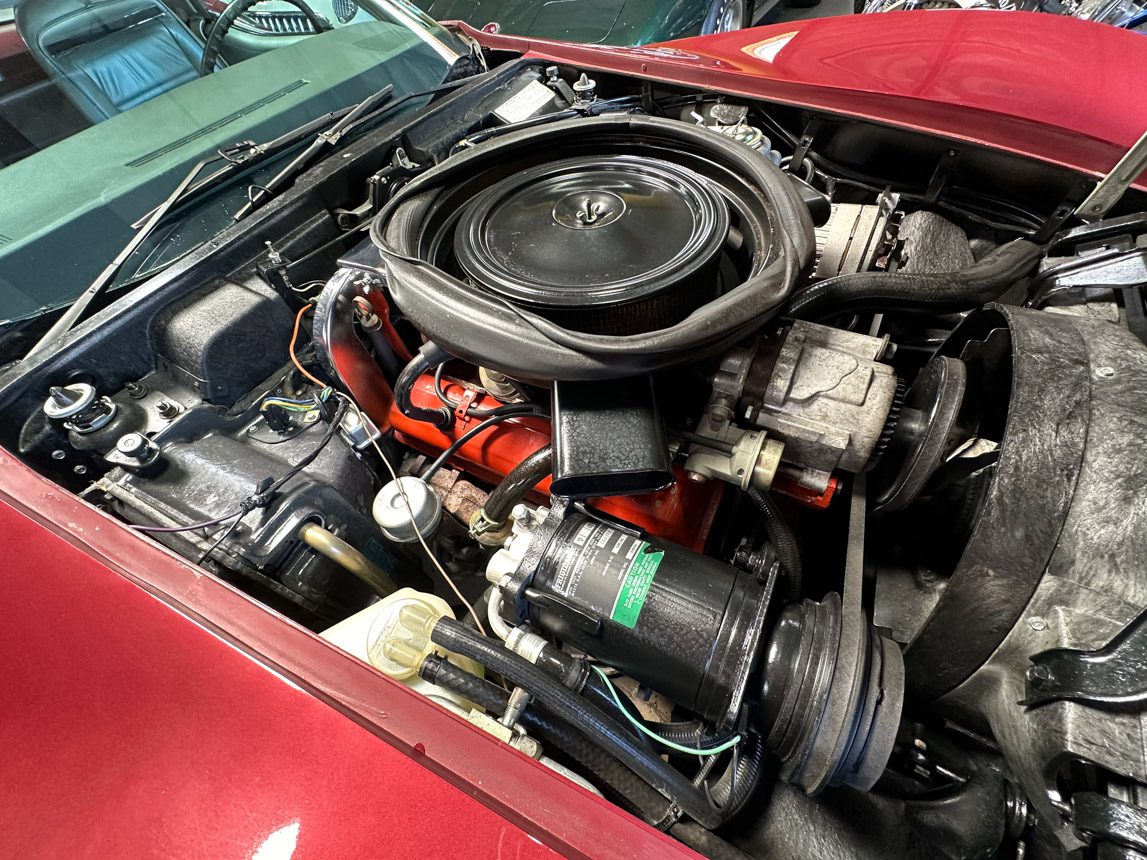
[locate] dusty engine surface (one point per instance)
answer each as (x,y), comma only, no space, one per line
(798,517)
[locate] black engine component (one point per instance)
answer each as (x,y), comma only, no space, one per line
(650,179)
(223,341)
(618,245)
(1053,564)
(210,463)
(695,630)
(608,439)
(685,624)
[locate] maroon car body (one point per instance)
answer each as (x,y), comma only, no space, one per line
(149,709)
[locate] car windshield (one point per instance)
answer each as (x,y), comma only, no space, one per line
(106,105)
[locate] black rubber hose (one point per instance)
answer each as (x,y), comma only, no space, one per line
(783,539)
(517,483)
(623,783)
(384,351)
(590,720)
(617,779)
(426,358)
(946,292)
(501,413)
(575,674)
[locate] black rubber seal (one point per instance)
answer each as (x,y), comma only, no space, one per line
(490,331)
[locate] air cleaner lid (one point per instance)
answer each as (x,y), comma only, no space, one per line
(591,231)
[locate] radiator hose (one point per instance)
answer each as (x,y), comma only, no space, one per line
(517,483)
(945,292)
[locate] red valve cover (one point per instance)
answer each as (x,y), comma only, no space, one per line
(682,513)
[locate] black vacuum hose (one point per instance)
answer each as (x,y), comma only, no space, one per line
(426,358)
(590,720)
(575,673)
(946,292)
(519,481)
(783,539)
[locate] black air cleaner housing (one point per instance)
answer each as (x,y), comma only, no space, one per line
(614,245)
(594,248)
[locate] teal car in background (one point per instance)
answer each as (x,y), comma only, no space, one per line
(610,22)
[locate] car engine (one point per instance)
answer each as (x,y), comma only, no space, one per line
(772,474)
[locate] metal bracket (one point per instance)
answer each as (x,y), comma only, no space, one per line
(1115,674)
(1110,820)
(941,174)
(803,145)
(1112,186)
(1064,210)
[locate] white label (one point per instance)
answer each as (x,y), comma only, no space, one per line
(525,103)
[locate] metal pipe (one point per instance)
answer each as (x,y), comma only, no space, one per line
(345,555)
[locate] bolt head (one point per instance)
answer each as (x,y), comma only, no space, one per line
(1039,675)
(1037,623)
(131,444)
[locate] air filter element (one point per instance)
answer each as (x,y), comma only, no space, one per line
(613,245)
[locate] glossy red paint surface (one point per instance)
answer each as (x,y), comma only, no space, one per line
(149,710)
(682,513)
(1047,86)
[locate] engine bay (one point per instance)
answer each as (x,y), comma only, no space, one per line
(775,475)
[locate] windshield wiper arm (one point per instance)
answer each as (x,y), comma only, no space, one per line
(246,153)
(76,308)
(324,140)
(249,153)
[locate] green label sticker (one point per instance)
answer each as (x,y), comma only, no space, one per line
(635,587)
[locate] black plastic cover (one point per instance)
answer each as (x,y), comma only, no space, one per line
(610,245)
(608,439)
(223,340)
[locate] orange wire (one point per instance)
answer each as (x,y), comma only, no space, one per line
(291,348)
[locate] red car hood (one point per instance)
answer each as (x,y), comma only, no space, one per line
(1045,86)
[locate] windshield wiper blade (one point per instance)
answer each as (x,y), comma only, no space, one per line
(239,156)
(324,140)
(246,153)
(76,309)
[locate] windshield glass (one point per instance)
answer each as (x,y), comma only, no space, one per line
(105,110)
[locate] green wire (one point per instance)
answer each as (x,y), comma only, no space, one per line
(727,745)
(285,404)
